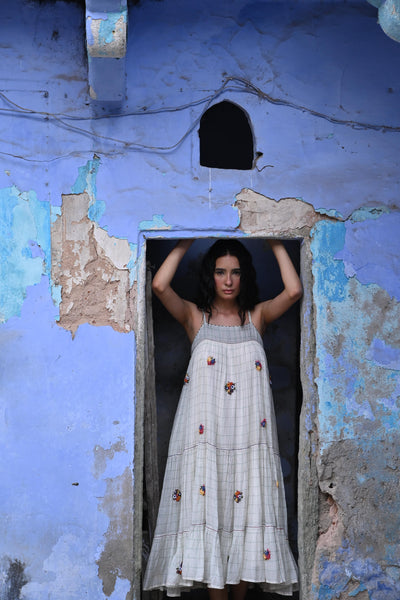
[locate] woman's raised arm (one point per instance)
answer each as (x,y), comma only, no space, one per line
(180,309)
(293,290)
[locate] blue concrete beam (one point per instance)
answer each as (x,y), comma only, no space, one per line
(388,17)
(106,39)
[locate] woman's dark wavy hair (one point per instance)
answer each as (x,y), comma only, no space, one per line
(248,295)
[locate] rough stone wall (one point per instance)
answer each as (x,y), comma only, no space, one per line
(357,361)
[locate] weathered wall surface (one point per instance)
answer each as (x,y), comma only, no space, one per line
(83,184)
(358,351)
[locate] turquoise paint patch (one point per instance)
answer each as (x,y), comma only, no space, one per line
(157,222)
(132,264)
(367,212)
(55,212)
(330,280)
(346,379)
(96,210)
(86,182)
(108,26)
(356,378)
(56,294)
(25,247)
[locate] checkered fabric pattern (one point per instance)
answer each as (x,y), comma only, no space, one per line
(222,515)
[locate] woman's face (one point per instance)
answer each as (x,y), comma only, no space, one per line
(227,277)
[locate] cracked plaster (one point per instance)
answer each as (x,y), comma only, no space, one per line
(92,270)
(265,216)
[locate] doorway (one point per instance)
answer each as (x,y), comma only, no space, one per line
(282,344)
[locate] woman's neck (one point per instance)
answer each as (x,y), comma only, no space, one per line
(226,313)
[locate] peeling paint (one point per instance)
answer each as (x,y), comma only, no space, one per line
(366,212)
(266,216)
(86,180)
(157,222)
(351,556)
(357,360)
(349,381)
(116,559)
(92,270)
(24,247)
(106,34)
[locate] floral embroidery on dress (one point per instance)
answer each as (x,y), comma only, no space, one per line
(277,483)
(201,429)
(237,496)
(203,490)
(187,378)
(258,365)
(230,387)
(263,423)
(211,360)
(267,554)
(179,570)
(177,495)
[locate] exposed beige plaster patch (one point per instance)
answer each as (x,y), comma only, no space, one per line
(91,268)
(330,534)
(332,529)
(265,216)
(116,559)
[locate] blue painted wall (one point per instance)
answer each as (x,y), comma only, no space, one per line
(82,183)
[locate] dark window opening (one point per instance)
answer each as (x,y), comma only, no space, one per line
(226,138)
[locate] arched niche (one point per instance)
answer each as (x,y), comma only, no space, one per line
(226,138)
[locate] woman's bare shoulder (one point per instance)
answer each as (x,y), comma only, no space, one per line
(258,318)
(194,322)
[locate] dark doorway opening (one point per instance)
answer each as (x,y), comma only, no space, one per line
(282,344)
(226,138)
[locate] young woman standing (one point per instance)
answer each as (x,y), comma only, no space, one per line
(222,517)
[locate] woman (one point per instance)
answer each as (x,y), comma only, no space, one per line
(222,516)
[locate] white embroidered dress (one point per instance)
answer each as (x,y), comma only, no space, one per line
(222,515)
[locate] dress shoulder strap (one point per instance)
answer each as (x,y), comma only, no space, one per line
(204,317)
(249,313)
